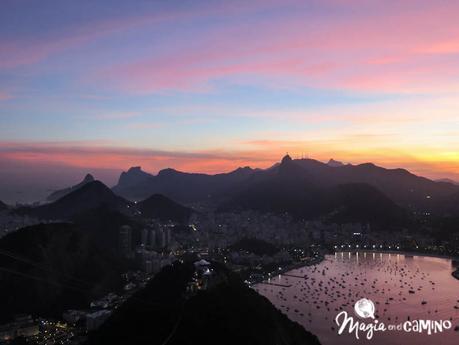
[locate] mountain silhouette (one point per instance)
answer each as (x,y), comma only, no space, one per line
(183,187)
(62,192)
(305,195)
(407,190)
(161,207)
(90,196)
(132,178)
(404,188)
(447,180)
(334,164)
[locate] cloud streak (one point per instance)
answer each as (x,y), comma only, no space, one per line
(378,52)
(112,157)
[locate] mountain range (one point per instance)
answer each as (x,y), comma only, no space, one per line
(305,188)
(316,180)
(136,184)
(95,196)
(290,188)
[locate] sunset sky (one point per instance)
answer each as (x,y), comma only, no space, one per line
(208,86)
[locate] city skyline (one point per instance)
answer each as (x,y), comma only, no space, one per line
(207,87)
(253,171)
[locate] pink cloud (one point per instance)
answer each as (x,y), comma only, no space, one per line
(20,51)
(442,47)
(24,51)
(344,47)
(344,52)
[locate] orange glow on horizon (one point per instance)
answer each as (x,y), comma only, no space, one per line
(258,154)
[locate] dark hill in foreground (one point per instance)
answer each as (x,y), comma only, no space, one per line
(226,314)
(102,224)
(45,269)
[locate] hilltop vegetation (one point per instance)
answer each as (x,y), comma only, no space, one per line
(228,313)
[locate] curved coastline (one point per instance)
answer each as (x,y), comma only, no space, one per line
(317,260)
(314,261)
(412,262)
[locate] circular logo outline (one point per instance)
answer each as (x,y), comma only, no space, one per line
(365,308)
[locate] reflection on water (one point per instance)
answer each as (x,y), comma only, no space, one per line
(403,288)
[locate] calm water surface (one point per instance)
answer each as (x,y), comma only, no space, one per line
(401,286)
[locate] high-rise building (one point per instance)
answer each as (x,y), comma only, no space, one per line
(125,241)
(160,238)
(167,233)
